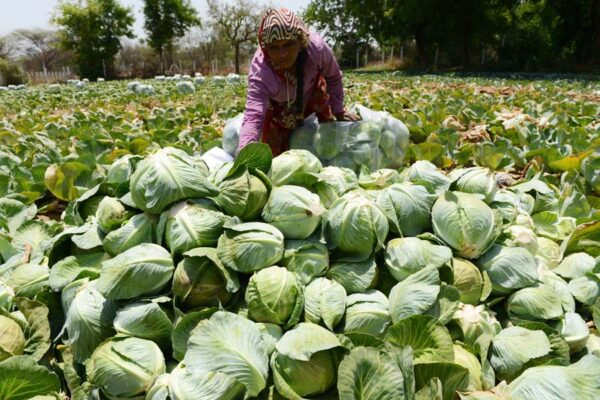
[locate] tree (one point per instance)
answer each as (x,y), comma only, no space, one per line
(337,21)
(165,21)
(7,47)
(190,46)
(40,46)
(137,60)
(238,23)
(93,30)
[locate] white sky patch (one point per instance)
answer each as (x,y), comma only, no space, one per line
(29,14)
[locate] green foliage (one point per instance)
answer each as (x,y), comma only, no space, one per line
(530,35)
(165,21)
(97,184)
(11,73)
(93,31)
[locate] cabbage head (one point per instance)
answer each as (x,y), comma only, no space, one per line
(329,140)
(89,317)
(142,270)
(512,348)
(367,313)
(541,302)
(575,265)
(591,171)
(355,226)
(290,167)
(333,182)
(125,367)
(274,296)
(549,252)
(147,319)
(355,277)
(521,236)
(111,214)
(574,330)
(426,173)
(553,382)
(307,259)
(242,194)
(183,384)
(190,225)
(119,173)
(12,338)
(509,268)
(250,247)
(469,281)
(185,88)
(367,131)
(294,210)
(233,345)
(405,256)
(408,207)
(476,180)
(165,177)
(305,361)
(325,301)
(465,223)
(379,179)
(140,228)
(201,280)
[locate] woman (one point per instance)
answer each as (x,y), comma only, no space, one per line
(293,74)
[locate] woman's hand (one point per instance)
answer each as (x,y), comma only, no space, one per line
(347,116)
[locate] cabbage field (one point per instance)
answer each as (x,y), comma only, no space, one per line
(445,247)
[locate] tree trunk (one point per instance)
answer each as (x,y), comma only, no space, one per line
(421,49)
(162,61)
(595,32)
(466,35)
(170,55)
(237,58)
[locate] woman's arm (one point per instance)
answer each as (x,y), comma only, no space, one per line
(330,70)
(256,108)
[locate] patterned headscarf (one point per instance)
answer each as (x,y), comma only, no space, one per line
(281,24)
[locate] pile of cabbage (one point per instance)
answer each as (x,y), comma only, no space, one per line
(283,278)
(377,141)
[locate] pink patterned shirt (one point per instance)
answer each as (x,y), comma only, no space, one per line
(264,84)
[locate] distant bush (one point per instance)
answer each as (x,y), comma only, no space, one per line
(11,73)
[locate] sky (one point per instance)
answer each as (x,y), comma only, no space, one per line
(19,14)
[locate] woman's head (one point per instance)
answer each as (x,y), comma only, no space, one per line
(282,35)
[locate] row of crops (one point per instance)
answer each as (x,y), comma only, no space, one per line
(468,267)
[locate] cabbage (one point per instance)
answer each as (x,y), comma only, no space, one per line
(307,259)
(250,246)
(290,167)
(192,225)
(465,223)
(426,173)
(408,207)
(509,268)
(201,280)
(125,367)
(294,210)
(355,226)
(474,180)
(274,295)
(242,194)
(166,177)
